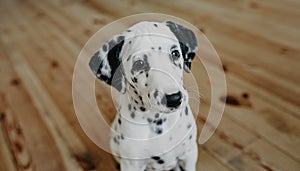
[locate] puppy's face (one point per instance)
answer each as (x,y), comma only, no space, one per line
(153,67)
(147,62)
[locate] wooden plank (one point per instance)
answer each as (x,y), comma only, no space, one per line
(256,71)
(207,162)
(271,11)
(233,152)
(7,161)
(274,125)
(271,157)
(232,157)
(27,127)
(86,159)
(16,138)
(238,19)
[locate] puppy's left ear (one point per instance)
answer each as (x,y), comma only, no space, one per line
(106,63)
(187,41)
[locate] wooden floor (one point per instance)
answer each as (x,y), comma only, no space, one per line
(258,42)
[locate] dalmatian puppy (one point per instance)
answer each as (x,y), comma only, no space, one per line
(154,128)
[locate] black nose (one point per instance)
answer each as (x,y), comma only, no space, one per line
(174,100)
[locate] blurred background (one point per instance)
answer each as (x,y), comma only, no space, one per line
(257,41)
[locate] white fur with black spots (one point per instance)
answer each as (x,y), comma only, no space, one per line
(154,128)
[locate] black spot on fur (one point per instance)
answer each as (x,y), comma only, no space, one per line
(141,98)
(181,169)
(128,57)
(179,65)
(104,47)
(191,55)
(189,126)
(155,157)
(159,122)
(159,48)
(156,115)
(120,38)
(134,80)
(155,25)
(132,115)
(143,109)
(115,140)
(149,120)
(190,137)
(155,93)
(119,121)
(159,130)
(147,65)
(186,111)
(160,162)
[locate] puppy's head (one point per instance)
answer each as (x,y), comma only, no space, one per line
(147,62)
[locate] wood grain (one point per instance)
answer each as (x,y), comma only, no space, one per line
(258,42)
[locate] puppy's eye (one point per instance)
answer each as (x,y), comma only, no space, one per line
(175,54)
(138,65)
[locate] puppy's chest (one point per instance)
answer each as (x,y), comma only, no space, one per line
(161,130)
(168,138)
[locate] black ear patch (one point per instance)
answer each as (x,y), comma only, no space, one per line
(106,63)
(187,41)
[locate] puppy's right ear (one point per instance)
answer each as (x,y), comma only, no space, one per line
(106,63)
